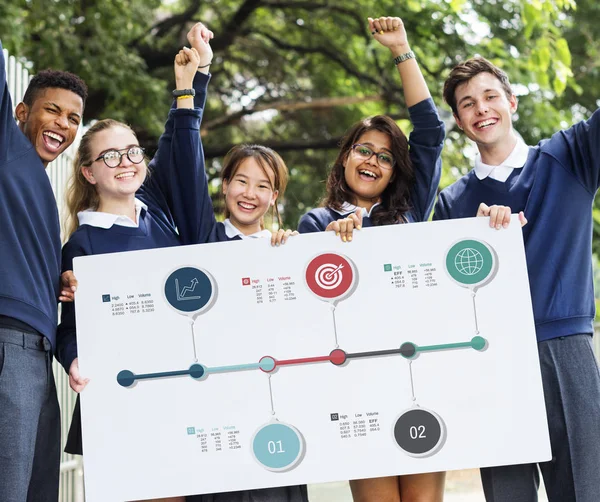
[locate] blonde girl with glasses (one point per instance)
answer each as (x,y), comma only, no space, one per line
(118,203)
(382,178)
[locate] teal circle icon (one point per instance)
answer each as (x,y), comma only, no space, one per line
(278,447)
(471,263)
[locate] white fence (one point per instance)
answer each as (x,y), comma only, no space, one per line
(71,478)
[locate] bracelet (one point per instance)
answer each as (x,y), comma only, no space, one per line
(185,96)
(184,92)
(206,65)
(403,57)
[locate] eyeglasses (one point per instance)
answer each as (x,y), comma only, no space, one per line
(363,152)
(113,158)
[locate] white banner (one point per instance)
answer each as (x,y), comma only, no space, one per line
(237,365)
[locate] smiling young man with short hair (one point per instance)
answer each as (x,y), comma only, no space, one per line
(48,119)
(554,183)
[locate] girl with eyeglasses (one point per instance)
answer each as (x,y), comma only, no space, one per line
(382,178)
(118,203)
(379,176)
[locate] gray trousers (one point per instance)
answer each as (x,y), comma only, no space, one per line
(571,380)
(282,494)
(29,419)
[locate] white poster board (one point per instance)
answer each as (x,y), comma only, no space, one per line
(237,365)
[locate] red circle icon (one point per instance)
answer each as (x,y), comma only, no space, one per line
(330,276)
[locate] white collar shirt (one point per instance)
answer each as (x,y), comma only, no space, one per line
(515,160)
(232,232)
(107,220)
(351,208)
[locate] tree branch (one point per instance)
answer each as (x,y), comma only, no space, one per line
(292,106)
(320,50)
(211,152)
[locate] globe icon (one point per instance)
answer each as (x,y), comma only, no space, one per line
(468,261)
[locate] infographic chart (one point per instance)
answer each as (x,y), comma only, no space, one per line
(410,343)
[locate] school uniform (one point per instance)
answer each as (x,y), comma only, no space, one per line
(425,148)
(160,207)
(29,288)
(554,183)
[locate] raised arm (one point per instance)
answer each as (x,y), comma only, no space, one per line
(427,138)
(10,137)
(178,167)
(390,32)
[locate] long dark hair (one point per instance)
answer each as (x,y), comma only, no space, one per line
(395,199)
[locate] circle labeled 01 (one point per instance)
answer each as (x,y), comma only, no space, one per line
(331,277)
(420,432)
(190,291)
(278,447)
(471,263)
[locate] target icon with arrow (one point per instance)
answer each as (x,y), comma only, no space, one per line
(331,277)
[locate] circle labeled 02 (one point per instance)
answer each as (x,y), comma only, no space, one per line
(190,291)
(471,263)
(278,447)
(331,277)
(419,432)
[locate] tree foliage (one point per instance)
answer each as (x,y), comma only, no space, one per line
(295,74)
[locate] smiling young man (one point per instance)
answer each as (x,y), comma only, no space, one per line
(554,183)
(30,244)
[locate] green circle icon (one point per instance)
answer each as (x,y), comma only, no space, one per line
(471,263)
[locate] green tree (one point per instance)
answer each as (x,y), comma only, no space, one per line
(295,74)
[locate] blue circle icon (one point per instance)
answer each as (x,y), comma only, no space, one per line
(126,378)
(190,291)
(278,447)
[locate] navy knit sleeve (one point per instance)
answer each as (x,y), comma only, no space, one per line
(310,222)
(66,339)
(178,176)
(8,127)
(193,209)
(426,142)
(578,150)
(440,212)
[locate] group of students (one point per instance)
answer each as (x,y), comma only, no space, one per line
(118,203)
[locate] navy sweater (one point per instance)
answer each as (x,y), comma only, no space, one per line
(29,228)
(169,194)
(425,147)
(556,190)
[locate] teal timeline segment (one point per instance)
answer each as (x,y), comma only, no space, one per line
(268,364)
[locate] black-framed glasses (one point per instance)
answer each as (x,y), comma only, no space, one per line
(363,152)
(113,158)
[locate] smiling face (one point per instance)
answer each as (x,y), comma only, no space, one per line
(114,183)
(484,113)
(248,195)
(51,122)
(366,178)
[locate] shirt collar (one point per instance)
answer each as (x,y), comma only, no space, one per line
(351,208)
(107,220)
(515,160)
(232,232)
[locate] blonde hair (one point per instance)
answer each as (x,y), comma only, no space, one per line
(81,194)
(266,159)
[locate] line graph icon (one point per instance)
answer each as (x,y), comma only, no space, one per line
(182,294)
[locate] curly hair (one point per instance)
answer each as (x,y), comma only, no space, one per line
(47,79)
(395,199)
